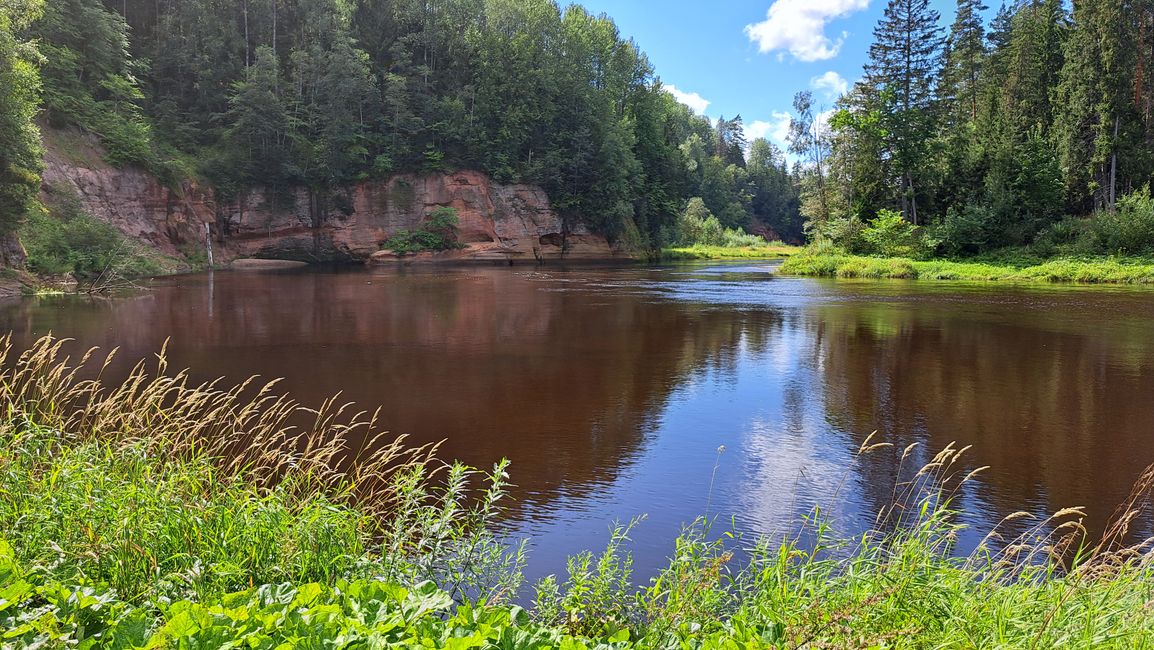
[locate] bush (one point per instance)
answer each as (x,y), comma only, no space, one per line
(844,233)
(1129,229)
(966,231)
(439,233)
(69,240)
(1070,236)
(890,235)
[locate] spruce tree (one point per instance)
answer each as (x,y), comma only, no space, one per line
(965,57)
(1098,114)
(903,65)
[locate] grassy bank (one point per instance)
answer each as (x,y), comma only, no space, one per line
(161,514)
(770,251)
(1100,271)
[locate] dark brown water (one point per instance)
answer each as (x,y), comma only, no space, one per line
(611,389)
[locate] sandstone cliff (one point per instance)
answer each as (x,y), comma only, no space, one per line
(501,222)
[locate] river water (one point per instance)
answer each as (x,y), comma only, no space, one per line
(612,389)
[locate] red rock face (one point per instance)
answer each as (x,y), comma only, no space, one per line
(496,221)
(132,201)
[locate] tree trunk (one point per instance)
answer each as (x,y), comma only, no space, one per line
(1113,190)
(912,198)
(247,58)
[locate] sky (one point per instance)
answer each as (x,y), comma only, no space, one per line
(748,57)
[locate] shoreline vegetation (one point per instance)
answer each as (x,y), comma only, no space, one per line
(761,251)
(241,531)
(1084,270)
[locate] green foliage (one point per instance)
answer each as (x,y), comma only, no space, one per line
(65,239)
(362,613)
(890,235)
(439,233)
(966,231)
(887,235)
(1128,230)
(20,149)
(761,251)
(827,263)
(597,599)
(698,227)
(843,232)
(90,80)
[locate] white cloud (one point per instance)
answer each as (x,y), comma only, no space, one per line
(776,130)
(823,120)
(798,27)
(692,100)
(831,83)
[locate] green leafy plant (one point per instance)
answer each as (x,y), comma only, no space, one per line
(65,239)
(1129,229)
(890,235)
(439,233)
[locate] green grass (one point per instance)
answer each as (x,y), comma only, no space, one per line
(1094,271)
(122,524)
(773,250)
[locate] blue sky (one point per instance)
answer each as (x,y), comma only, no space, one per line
(749,57)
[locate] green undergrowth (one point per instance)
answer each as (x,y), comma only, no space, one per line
(122,525)
(773,250)
(1083,270)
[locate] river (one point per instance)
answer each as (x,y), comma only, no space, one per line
(612,389)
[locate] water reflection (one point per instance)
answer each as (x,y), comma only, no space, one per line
(612,389)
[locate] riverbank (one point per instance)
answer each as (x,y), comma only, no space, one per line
(770,251)
(237,535)
(1094,271)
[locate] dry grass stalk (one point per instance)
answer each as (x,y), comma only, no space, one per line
(253,433)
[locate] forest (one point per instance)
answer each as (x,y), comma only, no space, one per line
(320,94)
(961,137)
(990,136)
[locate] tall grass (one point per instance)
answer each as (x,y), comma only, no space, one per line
(157,513)
(157,487)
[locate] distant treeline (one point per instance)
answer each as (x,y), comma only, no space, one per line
(323,93)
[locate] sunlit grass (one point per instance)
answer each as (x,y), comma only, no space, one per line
(1093,271)
(772,250)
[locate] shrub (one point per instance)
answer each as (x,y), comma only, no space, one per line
(966,231)
(1072,235)
(67,239)
(890,235)
(1129,229)
(844,233)
(439,233)
(697,225)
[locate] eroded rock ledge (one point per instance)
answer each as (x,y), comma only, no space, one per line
(497,222)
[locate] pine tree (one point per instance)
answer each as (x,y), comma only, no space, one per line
(903,65)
